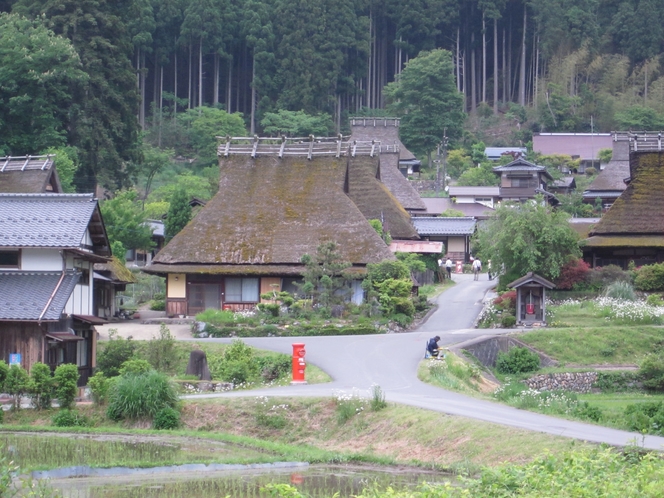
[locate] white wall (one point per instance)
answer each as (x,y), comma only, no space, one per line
(80,301)
(37,259)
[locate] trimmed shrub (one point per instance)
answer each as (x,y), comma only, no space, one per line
(41,386)
(654,300)
(650,278)
(141,396)
(402,320)
(517,360)
(507,321)
(273,367)
(99,386)
(601,277)
(115,352)
(17,384)
(506,301)
(4,370)
(586,411)
(69,418)
(645,417)
(135,367)
(652,372)
(2,416)
(166,419)
(573,275)
(66,384)
(158,305)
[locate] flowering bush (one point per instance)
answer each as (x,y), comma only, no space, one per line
(574,274)
(349,405)
(629,311)
(506,301)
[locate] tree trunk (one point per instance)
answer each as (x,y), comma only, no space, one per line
(175,85)
(229,92)
(143,76)
(510,49)
(495,66)
(253,95)
(189,98)
(522,73)
(200,72)
(505,70)
(483,57)
(537,58)
(161,102)
(473,75)
(458,60)
(215,97)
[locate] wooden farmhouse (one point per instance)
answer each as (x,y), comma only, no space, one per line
(610,183)
(521,180)
(48,246)
(633,227)
(278,199)
(29,175)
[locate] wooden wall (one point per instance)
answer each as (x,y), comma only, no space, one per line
(24,338)
(176,307)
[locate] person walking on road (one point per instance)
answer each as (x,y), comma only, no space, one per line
(448,267)
(477,268)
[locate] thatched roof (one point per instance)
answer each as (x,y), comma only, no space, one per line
(374,199)
(269,212)
(116,271)
(386,131)
(640,209)
(29,175)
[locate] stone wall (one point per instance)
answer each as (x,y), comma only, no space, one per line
(486,349)
(580,382)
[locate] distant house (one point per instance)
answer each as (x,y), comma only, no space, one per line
(48,246)
(29,175)
(455,233)
(496,153)
(437,205)
(141,257)
(633,228)
(395,160)
(277,200)
(487,196)
(582,146)
(610,183)
(109,279)
(521,180)
(565,185)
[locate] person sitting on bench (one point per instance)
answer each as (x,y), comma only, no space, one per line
(432,346)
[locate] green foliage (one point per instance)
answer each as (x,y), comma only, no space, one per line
(141,396)
(135,366)
(179,214)
(517,360)
(166,419)
(639,118)
(65,379)
(325,279)
(125,221)
(237,364)
(4,370)
(67,164)
(452,213)
(114,353)
(119,251)
(650,278)
(609,382)
(377,401)
(652,372)
(387,269)
(426,97)
(458,161)
(655,300)
(620,290)
(297,124)
(606,275)
(412,260)
(17,383)
(378,226)
(69,418)
(480,176)
(507,321)
(41,385)
(527,237)
(161,352)
(99,386)
(646,417)
(41,72)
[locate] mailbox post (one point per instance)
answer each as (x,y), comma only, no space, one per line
(299,365)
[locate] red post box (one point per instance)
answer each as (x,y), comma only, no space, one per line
(299,364)
(530,309)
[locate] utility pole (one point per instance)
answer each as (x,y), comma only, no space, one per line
(444,144)
(437,161)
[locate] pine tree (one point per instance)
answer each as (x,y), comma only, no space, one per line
(179,214)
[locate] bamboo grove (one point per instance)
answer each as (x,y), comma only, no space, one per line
(144,59)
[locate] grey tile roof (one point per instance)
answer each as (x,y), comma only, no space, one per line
(44,220)
(438,205)
(25,295)
(444,226)
(461,191)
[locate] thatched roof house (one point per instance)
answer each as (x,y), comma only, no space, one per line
(276,202)
(610,183)
(633,228)
(29,175)
(393,153)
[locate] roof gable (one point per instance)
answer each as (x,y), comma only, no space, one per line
(271,211)
(51,220)
(640,208)
(521,164)
(530,278)
(29,175)
(444,226)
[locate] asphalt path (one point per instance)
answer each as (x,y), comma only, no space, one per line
(390,361)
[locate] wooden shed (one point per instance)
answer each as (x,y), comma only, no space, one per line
(531,298)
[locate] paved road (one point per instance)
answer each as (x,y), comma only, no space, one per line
(357,362)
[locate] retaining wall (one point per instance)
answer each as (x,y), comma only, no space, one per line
(580,382)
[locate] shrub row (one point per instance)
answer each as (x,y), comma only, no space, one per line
(291,331)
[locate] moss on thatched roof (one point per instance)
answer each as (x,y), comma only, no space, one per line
(625,241)
(271,211)
(374,199)
(119,273)
(640,208)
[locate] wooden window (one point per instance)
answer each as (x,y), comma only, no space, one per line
(241,290)
(10,259)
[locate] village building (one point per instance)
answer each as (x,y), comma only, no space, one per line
(438,205)
(278,200)
(610,183)
(497,153)
(632,230)
(110,278)
(454,233)
(29,175)
(48,246)
(521,180)
(582,146)
(487,196)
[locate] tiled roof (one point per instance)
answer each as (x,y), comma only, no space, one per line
(521,165)
(584,145)
(565,182)
(444,226)
(438,205)
(457,191)
(494,153)
(45,220)
(26,295)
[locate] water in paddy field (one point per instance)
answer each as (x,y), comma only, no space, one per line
(314,482)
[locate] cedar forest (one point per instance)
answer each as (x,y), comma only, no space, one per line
(125,90)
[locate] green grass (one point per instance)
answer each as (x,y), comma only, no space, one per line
(433,290)
(613,404)
(596,346)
